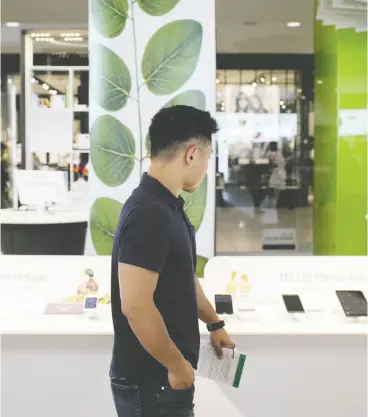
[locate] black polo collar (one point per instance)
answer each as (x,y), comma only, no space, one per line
(151,184)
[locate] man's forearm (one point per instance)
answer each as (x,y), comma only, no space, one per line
(206,312)
(149,328)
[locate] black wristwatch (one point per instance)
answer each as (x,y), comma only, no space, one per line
(215,326)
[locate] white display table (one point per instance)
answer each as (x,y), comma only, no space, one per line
(10,216)
(43,233)
(296,367)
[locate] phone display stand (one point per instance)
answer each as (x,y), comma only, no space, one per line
(247,310)
(247,316)
(315,310)
(299,317)
(91,307)
(361,319)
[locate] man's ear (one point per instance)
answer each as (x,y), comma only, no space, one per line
(190,154)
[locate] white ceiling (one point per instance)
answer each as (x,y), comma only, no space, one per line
(266,33)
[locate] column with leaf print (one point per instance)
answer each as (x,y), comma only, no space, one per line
(145,55)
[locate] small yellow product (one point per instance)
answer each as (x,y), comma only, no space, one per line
(231,285)
(245,286)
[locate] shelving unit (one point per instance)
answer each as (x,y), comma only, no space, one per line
(35,78)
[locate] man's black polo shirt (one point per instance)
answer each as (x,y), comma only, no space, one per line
(154,233)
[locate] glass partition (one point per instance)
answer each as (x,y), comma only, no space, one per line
(262,197)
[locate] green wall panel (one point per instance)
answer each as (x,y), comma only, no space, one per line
(340,204)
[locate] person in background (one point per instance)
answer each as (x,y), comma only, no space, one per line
(242,103)
(257,104)
(4,176)
(155,295)
(277,180)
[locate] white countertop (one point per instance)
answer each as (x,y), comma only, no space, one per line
(29,283)
(10,216)
(311,324)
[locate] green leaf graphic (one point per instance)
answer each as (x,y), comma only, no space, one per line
(148,145)
(110,79)
(109,16)
(171,56)
(157,7)
(112,150)
(195,204)
(194,98)
(201,263)
(103,222)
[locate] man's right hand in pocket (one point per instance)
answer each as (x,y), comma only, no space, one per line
(182,377)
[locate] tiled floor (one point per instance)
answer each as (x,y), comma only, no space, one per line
(239,230)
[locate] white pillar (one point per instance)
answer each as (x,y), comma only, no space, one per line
(26,96)
(142,58)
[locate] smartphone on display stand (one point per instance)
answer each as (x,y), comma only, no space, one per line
(293,303)
(224,304)
(91,306)
(353,303)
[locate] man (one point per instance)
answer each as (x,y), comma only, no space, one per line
(156,297)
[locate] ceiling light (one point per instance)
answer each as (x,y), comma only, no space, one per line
(40,35)
(293,24)
(262,80)
(284,107)
(33,80)
(281,103)
(73,39)
(217,81)
(69,34)
(45,86)
(274,79)
(12,24)
(44,39)
(254,84)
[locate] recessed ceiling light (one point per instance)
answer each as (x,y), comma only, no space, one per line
(293,24)
(40,35)
(12,24)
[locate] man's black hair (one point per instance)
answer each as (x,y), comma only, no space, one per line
(174,126)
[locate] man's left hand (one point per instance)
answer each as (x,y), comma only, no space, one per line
(220,340)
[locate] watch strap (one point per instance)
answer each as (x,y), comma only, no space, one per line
(215,326)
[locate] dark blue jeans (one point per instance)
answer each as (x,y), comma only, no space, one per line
(152,401)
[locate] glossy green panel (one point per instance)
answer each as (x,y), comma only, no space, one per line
(352,150)
(340,204)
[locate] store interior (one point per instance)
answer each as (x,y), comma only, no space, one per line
(288,177)
(245,206)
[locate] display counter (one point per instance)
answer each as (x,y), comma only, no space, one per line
(43,233)
(307,365)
